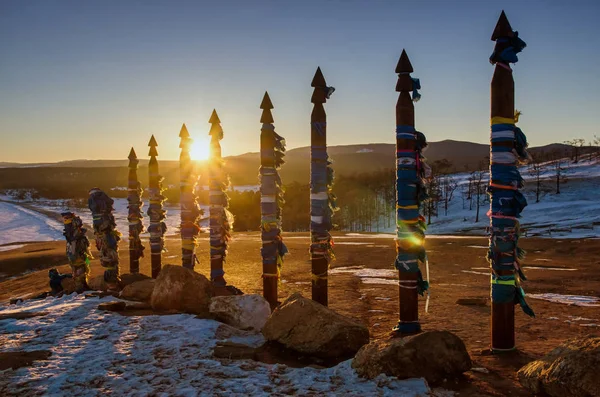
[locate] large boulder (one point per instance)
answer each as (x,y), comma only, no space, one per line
(433,355)
(140,291)
(97,283)
(308,327)
(130,278)
(241,311)
(183,290)
(567,371)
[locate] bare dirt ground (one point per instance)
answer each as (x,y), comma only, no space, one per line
(458,270)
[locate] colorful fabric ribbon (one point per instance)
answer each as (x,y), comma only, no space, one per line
(190,208)
(508,149)
(273,249)
(221,220)
(134,217)
(78,249)
(411,192)
(322,201)
(107,236)
(156,215)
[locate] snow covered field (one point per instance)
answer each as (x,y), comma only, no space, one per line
(574,213)
(26,225)
(19,224)
(96,353)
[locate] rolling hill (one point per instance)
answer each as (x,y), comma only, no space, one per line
(243,169)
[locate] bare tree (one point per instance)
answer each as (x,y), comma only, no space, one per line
(560,168)
(479,185)
(576,144)
(536,169)
(449,186)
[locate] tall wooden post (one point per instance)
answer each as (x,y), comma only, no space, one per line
(322,199)
(134,217)
(78,249)
(221,220)
(272,151)
(410,193)
(156,213)
(507,149)
(107,236)
(190,210)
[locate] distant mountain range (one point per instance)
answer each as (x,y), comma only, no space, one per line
(348,160)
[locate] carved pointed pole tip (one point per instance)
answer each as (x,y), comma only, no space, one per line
(184,132)
(404,65)
(503,28)
(132,155)
(153,152)
(266,102)
(318,80)
(214,117)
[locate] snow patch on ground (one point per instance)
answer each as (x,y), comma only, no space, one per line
(563,269)
(369,276)
(576,300)
(475,272)
(351,243)
(11,247)
(96,353)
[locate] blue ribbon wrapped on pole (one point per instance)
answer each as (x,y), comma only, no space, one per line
(107,236)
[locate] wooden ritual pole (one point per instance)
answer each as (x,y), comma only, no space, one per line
(507,150)
(221,220)
(156,213)
(190,210)
(410,192)
(322,200)
(107,236)
(272,150)
(134,217)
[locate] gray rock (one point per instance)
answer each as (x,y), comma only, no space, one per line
(433,355)
(567,371)
(308,327)
(241,311)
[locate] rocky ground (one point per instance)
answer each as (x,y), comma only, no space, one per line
(362,286)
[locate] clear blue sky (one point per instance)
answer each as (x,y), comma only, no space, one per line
(90,79)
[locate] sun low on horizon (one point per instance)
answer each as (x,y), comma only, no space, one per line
(200,150)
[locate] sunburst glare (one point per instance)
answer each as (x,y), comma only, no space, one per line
(200,150)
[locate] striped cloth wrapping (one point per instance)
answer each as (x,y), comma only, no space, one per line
(322,201)
(190,212)
(271,202)
(508,148)
(107,236)
(410,195)
(134,216)
(220,220)
(78,249)
(156,214)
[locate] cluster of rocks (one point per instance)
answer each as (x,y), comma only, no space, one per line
(301,325)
